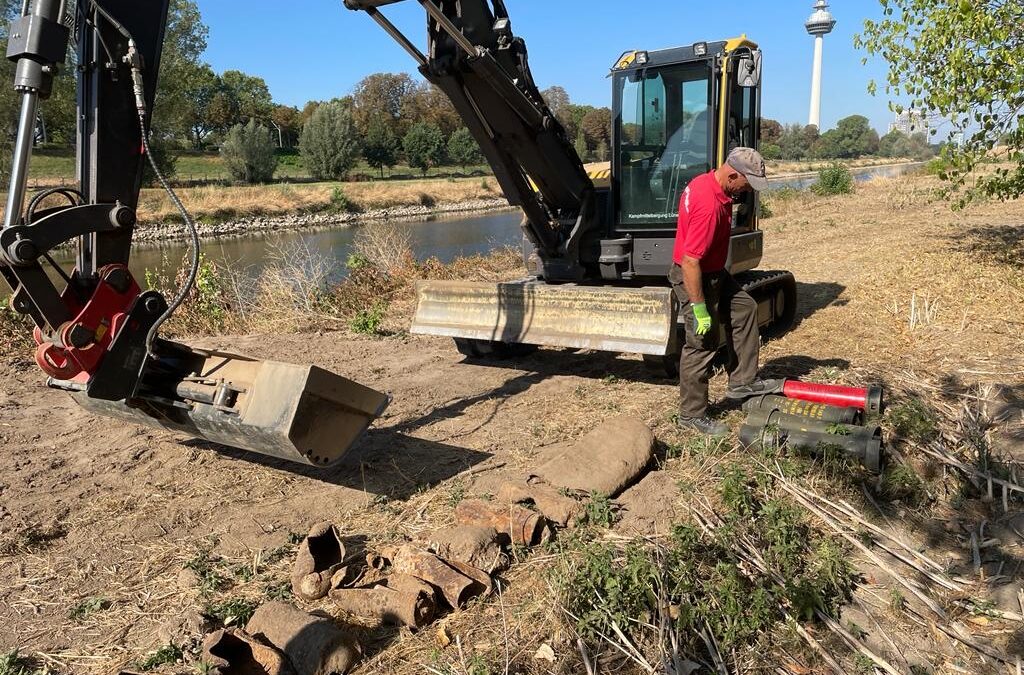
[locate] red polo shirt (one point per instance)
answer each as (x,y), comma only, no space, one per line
(705,222)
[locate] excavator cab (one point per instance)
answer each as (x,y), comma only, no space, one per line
(676,113)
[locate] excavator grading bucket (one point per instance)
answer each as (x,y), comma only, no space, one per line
(299,413)
(638,320)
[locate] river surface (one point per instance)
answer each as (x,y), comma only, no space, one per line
(445,238)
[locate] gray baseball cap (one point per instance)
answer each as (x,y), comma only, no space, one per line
(750,163)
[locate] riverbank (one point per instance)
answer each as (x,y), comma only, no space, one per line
(173,231)
(235,211)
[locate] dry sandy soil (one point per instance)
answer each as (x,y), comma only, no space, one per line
(99,519)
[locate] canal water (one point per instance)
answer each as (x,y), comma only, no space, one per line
(445,238)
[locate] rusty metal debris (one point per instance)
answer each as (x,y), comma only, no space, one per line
(560,509)
(522,526)
(399,600)
(319,563)
(232,651)
(457,581)
(313,644)
(476,545)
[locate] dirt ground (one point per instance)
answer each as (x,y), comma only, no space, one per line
(102,523)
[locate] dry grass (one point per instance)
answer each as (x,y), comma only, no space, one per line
(221,203)
(953,376)
(781,167)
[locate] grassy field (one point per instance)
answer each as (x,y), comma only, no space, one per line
(51,165)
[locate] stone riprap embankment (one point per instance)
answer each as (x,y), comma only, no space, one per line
(299,221)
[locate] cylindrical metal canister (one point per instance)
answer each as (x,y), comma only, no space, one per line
(794,406)
(868,399)
(861,443)
(760,418)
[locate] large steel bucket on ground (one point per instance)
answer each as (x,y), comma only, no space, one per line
(299,413)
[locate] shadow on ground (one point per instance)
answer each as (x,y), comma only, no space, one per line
(383,463)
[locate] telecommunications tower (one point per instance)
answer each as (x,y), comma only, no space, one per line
(819,25)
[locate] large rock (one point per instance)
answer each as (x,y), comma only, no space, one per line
(606,460)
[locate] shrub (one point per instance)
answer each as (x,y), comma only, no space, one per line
(463,148)
(165,154)
(329,142)
(834,179)
(248,153)
(340,201)
(424,146)
(368,321)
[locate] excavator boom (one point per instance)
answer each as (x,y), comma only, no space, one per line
(97,335)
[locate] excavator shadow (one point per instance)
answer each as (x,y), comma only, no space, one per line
(812,297)
(385,463)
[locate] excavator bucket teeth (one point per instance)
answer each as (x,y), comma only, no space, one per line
(298,413)
(638,320)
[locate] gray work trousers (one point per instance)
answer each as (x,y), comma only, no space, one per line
(733,321)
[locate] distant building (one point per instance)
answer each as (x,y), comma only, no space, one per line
(818,25)
(910,122)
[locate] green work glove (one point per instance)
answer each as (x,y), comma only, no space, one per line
(702,320)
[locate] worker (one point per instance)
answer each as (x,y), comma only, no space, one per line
(713,304)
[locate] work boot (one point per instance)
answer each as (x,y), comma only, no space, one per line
(704,425)
(755,388)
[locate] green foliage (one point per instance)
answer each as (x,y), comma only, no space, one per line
(913,420)
(901,483)
(248,153)
(329,142)
(898,144)
(599,511)
(771,151)
(207,569)
(580,145)
(340,201)
(233,612)
(369,321)
(381,146)
(853,137)
(834,179)
(795,141)
(357,261)
(424,146)
(166,655)
(956,61)
(13,663)
(86,607)
(463,148)
(764,209)
(165,153)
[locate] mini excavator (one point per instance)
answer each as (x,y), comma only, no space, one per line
(597,243)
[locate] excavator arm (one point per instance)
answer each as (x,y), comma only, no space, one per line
(97,332)
(474,57)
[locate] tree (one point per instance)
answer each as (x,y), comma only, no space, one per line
(557,99)
(251,93)
(424,146)
(597,127)
(852,137)
(380,97)
(796,141)
(381,146)
(771,131)
(248,153)
(330,143)
(427,103)
(463,148)
(898,144)
(959,60)
(180,68)
(580,145)
(285,119)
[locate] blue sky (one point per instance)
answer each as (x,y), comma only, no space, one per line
(316,49)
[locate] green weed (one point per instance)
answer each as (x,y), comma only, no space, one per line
(340,201)
(86,607)
(599,511)
(914,421)
(369,321)
(13,663)
(901,483)
(456,493)
(236,611)
(166,655)
(207,568)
